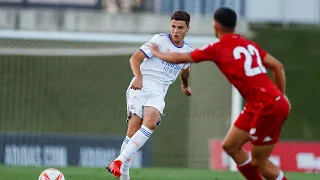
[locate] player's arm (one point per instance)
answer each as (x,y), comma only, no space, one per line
(208,53)
(184,77)
(277,69)
(174,58)
(135,62)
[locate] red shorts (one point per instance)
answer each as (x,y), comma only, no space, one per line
(264,123)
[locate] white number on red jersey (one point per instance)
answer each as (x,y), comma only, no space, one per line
(249,52)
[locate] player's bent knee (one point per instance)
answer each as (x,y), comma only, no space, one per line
(260,164)
(151,117)
(151,123)
(234,140)
(230,148)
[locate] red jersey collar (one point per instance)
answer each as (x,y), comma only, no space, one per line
(229,36)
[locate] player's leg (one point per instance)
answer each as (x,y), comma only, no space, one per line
(267,128)
(237,136)
(151,117)
(233,142)
(260,159)
(135,100)
(134,124)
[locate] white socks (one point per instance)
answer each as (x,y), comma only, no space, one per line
(133,145)
(126,164)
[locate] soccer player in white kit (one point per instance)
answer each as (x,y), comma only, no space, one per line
(148,88)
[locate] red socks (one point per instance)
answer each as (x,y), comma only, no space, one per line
(250,172)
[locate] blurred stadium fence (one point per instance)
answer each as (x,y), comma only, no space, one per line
(64,73)
(63,86)
(58,86)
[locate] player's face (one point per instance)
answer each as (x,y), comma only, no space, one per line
(178,30)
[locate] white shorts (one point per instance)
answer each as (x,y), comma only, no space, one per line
(138,99)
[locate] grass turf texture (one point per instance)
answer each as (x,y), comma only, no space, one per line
(73,173)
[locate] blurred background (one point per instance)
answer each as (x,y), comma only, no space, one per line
(64,68)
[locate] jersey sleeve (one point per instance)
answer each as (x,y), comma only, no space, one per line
(145,48)
(208,53)
(262,52)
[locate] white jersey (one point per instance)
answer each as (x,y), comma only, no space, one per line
(158,75)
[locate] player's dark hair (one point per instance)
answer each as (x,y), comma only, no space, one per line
(226,17)
(181,16)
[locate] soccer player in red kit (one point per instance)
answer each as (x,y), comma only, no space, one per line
(245,65)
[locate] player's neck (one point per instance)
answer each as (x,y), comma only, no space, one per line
(225,33)
(177,43)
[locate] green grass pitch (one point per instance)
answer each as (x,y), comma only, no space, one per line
(76,173)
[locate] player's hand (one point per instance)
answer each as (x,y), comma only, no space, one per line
(154,48)
(186,90)
(137,83)
(286,97)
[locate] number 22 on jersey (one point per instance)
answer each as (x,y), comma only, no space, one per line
(249,54)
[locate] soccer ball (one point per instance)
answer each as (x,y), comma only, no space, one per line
(51,174)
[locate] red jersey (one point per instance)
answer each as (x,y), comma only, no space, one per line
(241,61)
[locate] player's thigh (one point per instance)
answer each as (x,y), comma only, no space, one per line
(153,110)
(238,134)
(134,124)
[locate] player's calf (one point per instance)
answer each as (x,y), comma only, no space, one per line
(134,124)
(126,164)
(141,136)
(260,160)
(269,171)
(232,145)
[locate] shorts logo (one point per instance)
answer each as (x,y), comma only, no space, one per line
(267,139)
(252,132)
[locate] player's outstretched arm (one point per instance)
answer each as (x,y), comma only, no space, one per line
(184,77)
(278,71)
(135,62)
(171,57)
